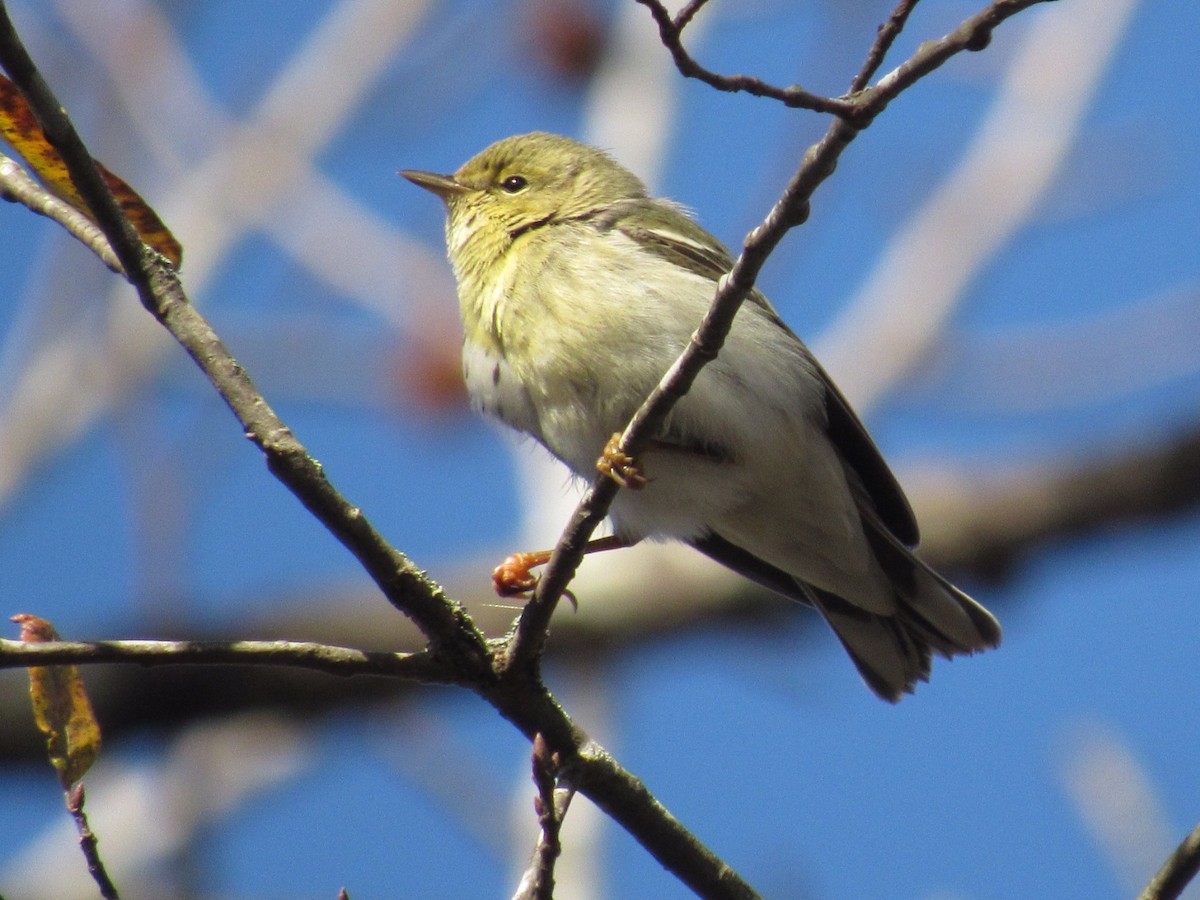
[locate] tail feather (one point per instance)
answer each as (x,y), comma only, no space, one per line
(891,652)
(890,656)
(952,621)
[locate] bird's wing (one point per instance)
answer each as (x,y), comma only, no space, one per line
(876,484)
(669,233)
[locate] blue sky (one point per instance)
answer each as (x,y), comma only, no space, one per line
(139,510)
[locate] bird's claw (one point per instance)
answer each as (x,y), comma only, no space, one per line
(620,466)
(512,577)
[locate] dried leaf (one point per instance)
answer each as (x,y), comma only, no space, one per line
(21,130)
(61,708)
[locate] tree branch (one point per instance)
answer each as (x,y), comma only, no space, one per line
(17,186)
(423,667)
(670,31)
(551,805)
(973,34)
(526,641)
(1177,872)
(408,588)
(89,844)
(888,32)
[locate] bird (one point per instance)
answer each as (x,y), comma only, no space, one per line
(577,291)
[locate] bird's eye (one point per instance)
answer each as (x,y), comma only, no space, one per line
(514,184)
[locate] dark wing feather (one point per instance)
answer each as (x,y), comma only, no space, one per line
(750,566)
(858,451)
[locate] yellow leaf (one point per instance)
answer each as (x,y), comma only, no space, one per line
(21,130)
(61,708)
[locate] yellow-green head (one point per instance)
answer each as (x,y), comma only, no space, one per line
(518,184)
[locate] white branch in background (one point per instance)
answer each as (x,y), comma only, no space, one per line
(260,171)
(258,174)
(901,312)
(1116,800)
(1107,355)
(147,813)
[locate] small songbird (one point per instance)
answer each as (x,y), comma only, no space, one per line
(578,291)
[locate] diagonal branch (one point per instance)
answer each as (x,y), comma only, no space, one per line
(1177,872)
(526,641)
(444,622)
(684,17)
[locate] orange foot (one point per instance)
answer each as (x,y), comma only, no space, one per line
(512,577)
(620,466)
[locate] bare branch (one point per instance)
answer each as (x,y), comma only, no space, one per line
(685,16)
(520,697)
(859,105)
(1177,872)
(974,34)
(423,666)
(671,32)
(888,32)
(158,286)
(89,844)
(551,804)
(17,186)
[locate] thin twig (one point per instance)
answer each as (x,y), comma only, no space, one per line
(424,667)
(89,845)
(1177,872)
(551,804)
(18,186)
(888,32)
(670,31)
(685,15)
(972,35)
(861,104)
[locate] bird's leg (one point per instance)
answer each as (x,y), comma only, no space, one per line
(620,466)
(512,577)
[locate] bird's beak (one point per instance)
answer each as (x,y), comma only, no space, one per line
(443,185)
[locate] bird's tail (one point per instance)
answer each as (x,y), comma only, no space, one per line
(893,653)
